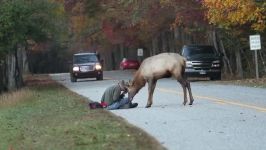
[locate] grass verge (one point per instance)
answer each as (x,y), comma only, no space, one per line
(257,83)
(45,115)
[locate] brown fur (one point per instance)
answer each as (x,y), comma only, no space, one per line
(153,68)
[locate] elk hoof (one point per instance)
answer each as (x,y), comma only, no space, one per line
(191,103)
(147,106)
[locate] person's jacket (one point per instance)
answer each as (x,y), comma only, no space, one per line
(111,94)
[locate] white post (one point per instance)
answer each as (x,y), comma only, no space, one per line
(256,63)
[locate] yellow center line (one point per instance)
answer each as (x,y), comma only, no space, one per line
(216,100)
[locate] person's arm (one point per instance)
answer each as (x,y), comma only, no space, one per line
(123,94)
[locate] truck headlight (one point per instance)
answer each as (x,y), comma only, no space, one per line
(98,67)
(216,63)
(76,68)
(188,64)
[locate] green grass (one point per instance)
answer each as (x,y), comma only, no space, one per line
(49,117)
(249,82)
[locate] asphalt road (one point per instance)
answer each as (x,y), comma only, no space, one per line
(223,117)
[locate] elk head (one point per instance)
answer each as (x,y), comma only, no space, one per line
(132,90)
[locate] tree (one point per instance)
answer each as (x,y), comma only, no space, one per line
(237,20)
(22,21)
(234,13)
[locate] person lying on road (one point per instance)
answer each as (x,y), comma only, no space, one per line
(114,97)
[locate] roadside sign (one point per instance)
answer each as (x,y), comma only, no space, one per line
(254,41)
(140,52)
(255,44)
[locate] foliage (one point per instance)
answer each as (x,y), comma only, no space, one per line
(234,13)
(236,20)
(143,20)
(22,20)
(130,22)
(84,21)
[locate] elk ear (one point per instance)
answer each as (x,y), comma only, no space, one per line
(127,84)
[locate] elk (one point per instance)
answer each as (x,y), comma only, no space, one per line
(156,67)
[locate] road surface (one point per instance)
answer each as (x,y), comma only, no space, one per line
(223,117)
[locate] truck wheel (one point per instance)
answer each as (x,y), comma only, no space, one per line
(73,79)
(99,77)
(216,77)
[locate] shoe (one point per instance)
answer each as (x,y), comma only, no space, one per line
(133,105)
(126,106)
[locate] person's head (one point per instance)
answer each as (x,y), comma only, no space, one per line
(123,85)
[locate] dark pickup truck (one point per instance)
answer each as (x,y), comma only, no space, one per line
(86,65)
(202,61)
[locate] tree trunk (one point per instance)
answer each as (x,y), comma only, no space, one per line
(263,62)
(155,48)
(177,41)
(164,41)
(3,81)
(19,67)
(239,68)
(214,40)
(25,61)
(150,53)
(122,51)
(219,46)
(11,71)
(226,62)
(172,46)
(113,61)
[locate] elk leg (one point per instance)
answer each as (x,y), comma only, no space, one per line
(151,87)
(190,93)
(184,85)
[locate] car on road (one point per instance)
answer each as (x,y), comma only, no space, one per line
(129,64)
(202,61)
(86,65)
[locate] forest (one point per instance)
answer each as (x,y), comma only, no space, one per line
(40,36)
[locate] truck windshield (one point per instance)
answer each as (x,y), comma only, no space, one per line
(199,50)
(79,59)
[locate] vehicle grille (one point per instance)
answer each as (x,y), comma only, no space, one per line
(199,65)
(86,68)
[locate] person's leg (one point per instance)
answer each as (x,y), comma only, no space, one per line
(128,105)
(118,104)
